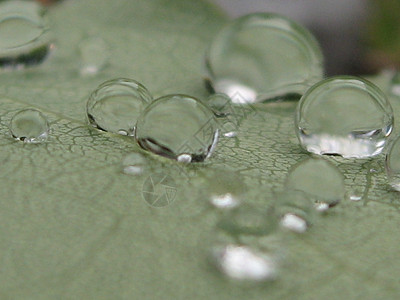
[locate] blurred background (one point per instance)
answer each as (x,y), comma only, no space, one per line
(357,36)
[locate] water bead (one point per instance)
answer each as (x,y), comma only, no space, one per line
(24,34)
(29,126)
(174,125)
(243,263)
(393,164)
(344,115)
(116,105)
(318,179)
(262,56)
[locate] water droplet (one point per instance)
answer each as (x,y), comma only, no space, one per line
(262,56)
(24,34)
(248,220)
(178,124)
(116,105)
(318,179)
(134,164)
(240,262)
(29,126)
(344,115)
(94,55)
(393,164)
(296,210)
(184,158)
(220,104)
(395,84)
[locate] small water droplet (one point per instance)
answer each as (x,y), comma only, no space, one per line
(344,115)
(395,85)
(94,55)
(393,164)
(248,220)
(134,164)
(184,158)
(29,126)
(116,105)
(24,34)
(318,179)
(240,262)
(296,210)
(262,56)
(178,124)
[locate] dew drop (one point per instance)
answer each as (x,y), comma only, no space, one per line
(240,262)
(263,56)
(318,179)
(344,115)
(248,220)
(29,126)
(116,105)
(24,34)
(184,158)
(296,210)
(134,164)
(94,55)
(178,124)
(393,164)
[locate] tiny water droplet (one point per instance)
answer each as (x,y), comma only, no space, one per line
(24,34)
(178,124)
(318,179)
(29,126)
(344,115)
(262,56)
(134,164)
(395,85)
(184,158)
(248,220)
(240,262)
(116,105)
(393,164)
(94,55)
(296,210)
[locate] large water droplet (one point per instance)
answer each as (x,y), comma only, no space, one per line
(248,220)
(344,115)
(134,164)
(29,126)
(318,179)
(116,105)
(175,125)
(94,55)
(295,210)
(240,262)
(393,164)
(24,34)
(263,56)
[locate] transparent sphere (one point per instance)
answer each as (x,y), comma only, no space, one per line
(116,105)
(344,115)
(29,126)
(24,34)
(318,179)
(262,56)
(178,126)
(393,164)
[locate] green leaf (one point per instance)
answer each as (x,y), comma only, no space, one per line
(73,226)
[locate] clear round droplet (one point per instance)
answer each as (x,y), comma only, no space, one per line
(178,124)
(29,126)
(344,115)
(393,164)
(239,262)
(263,56)
(24,34)
(116,104)
(134,164)
(318,179)
(295,210)
(94,54)
(248,220)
